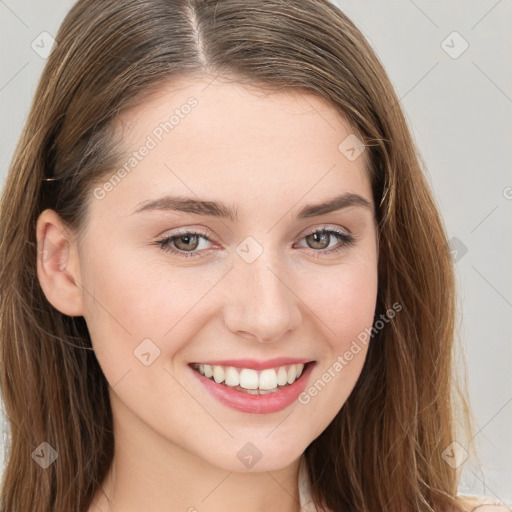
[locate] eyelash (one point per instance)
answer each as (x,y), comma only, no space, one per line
(347,240)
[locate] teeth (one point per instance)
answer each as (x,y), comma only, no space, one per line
(208,372)
(249,379)
(218,374)
(232,377)
(292,374)
(282,376)
(268,379)
(252,380)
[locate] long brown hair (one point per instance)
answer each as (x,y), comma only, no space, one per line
(383,450)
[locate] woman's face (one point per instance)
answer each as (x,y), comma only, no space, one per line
(253,283)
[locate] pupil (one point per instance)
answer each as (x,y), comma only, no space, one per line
(318,236)
(185,240)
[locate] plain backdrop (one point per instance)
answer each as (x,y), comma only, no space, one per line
(450,65)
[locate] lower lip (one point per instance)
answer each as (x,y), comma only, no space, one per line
(258,404)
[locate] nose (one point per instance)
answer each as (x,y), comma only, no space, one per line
(261,302)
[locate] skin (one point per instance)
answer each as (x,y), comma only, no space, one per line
(268,155)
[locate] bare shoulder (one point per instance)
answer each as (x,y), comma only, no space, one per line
(493,507)
(486,504)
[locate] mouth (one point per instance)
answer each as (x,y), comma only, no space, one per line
(253,381)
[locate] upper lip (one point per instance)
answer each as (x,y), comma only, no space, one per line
(257,364)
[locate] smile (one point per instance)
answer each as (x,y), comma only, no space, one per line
(254,391)
(250,380)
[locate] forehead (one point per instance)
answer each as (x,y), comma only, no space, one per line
(220,138)
(230,103)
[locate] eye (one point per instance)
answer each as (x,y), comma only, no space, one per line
(320,239)
(183,243)
(187,243)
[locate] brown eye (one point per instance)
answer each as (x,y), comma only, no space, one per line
(184,244)
(190,242)
(319,239)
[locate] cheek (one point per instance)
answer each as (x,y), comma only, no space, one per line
(344,300)
(141,296)
(129,300)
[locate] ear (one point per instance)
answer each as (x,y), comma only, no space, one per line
(58,268)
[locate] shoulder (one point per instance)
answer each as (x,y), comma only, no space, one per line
(486,504)
(492,507)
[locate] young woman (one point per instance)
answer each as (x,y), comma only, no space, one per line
(225,284)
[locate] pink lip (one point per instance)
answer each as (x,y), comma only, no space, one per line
(258,404)
(257,365)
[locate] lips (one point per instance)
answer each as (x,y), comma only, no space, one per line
(254,399)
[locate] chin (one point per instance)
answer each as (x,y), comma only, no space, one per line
(256,457)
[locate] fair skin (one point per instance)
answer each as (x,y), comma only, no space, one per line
(268,156)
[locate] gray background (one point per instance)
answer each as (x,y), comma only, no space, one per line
(459,110)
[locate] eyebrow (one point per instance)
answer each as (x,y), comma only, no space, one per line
(220,210)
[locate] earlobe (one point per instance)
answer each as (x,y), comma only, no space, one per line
(58,267)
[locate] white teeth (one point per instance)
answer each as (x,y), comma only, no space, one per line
(208,372)
(218,374)
(249,379)
(232,377)
(282,376)
(292,374)
(268,379)
(252,380)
